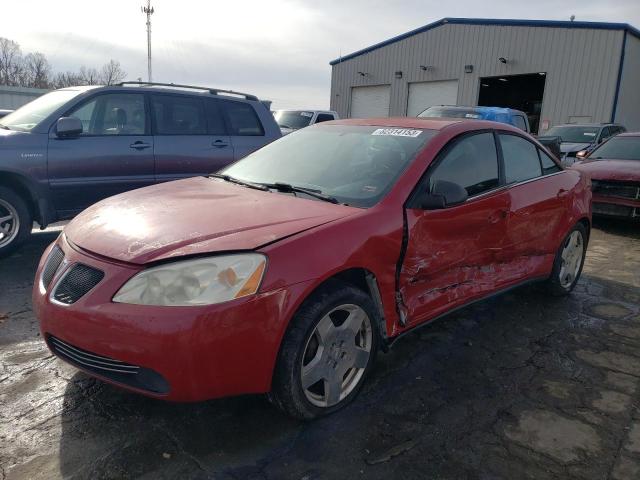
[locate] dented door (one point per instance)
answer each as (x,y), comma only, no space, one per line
(453,255)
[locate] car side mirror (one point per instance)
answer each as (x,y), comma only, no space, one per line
(582,154)
(68,127)
(443,194)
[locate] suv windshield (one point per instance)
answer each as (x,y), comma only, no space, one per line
(356,165)
(450,112)
(570,134)
(29,115)
(297,119)
(618,148)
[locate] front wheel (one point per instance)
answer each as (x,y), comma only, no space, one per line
(15,221)
(327,352)
(569,261)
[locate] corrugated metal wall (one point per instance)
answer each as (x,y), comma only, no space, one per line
(14,97)
(581,65)
(628,109)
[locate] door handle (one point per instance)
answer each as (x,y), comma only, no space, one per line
(220,144)
(139,145)
(562,193)
(498,215)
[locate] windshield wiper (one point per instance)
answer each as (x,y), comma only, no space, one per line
(229,178)
(288,188)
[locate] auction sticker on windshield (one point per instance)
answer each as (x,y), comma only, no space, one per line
(397,132)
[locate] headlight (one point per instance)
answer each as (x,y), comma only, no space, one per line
(202,281)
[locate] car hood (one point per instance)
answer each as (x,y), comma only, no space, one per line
(616,170)
(567,147)
(194,216)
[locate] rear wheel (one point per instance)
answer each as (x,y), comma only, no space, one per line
(569,261)
(15,221)
(327,352)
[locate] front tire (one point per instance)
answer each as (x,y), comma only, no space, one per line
(327,352)
(569,261)
(15,221)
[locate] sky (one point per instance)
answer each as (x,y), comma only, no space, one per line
(277,49)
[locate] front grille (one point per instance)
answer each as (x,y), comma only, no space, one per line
(51,266)
(76,283)
(114,370)
(615,189)
(614,210)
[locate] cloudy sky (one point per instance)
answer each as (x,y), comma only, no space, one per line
(277,49)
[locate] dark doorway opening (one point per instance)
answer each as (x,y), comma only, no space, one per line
(522,92)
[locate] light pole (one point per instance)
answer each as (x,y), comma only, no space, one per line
(149,11)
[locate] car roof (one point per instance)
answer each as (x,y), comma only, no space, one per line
(603,124)
(629,134)
(427,123)
(479,108)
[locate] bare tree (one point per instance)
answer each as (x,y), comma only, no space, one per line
(36,71)
(89,76)
(67,79)
(10,62)
(112,73)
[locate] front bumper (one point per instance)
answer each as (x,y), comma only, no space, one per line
(186,353)
(616,199)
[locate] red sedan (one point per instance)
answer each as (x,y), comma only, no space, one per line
(287,272)
(614,168)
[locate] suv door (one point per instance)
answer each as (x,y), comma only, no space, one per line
(245,129)
(538,194)
(113,154)
(190,137)
(453,255)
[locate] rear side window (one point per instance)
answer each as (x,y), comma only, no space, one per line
(324,117)
(521,160)
(215,121)
(518,121)
(548,165)
(178,115)
(242,118)
(472,163)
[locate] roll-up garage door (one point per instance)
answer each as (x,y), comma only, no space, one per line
(368,102)
(423,95)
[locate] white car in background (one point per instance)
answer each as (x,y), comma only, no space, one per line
(291,120)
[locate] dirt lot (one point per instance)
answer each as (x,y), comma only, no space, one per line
(521,386)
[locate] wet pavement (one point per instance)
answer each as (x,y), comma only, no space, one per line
(523,386)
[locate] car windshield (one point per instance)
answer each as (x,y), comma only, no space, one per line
(449,112)
(570,134)
(357,165)
(29,115)
(297,119)
(618,148)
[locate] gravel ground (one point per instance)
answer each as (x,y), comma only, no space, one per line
(517,387)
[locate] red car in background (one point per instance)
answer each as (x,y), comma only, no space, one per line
(287,271)
(614,168)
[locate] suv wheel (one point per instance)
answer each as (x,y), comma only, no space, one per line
(569,261)
(15,221)
(327,352)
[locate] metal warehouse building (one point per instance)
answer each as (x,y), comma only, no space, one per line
(555,71)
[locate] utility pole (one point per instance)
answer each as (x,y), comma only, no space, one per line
(149,11)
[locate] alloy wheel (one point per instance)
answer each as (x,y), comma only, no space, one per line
(336,355)
(9,223)
(571,256)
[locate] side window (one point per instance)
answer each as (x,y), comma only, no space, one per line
(604,134)
(113,114)
(472,162)
(548,165)
(242,118)
(521,160)
(519,122)
(178,115)
(324,117)
(215,122)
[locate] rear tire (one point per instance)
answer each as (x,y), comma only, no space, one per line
(569,261)
(327,352)
(15,221)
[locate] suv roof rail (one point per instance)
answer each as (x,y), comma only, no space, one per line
(212,91)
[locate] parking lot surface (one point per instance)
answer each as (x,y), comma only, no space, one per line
(519,386)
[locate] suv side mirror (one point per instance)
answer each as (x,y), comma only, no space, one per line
(443,194)
(68,127)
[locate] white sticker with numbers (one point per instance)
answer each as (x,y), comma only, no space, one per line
(397,132)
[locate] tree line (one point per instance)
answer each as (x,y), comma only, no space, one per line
(33,70)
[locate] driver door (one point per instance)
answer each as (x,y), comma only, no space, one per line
(453,255)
